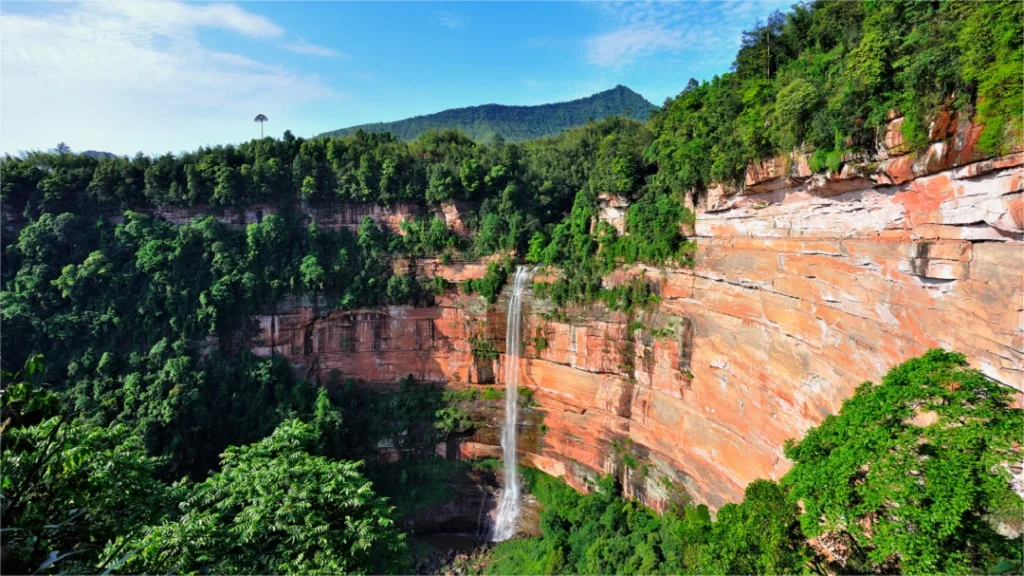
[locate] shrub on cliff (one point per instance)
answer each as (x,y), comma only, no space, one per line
(910,468)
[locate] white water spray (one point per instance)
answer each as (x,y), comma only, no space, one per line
(508,502)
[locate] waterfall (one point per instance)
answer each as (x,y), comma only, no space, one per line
(508,502)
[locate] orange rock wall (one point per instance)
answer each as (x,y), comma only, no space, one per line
(800,292)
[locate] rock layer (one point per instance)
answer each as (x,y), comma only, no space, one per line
(804,287)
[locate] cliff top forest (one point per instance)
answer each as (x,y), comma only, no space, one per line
(141,434)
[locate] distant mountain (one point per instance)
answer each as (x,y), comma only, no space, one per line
(515,123)
(99,154)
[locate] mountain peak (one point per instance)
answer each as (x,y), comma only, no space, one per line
(516,123)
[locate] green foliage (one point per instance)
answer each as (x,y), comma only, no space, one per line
(67,487)
(273,508)
(146,325)
(491,284)
(825,75)
(413,484)
(491,394)
(424,237)
(654,236)
(793,106)
(600,533)
(452,417)
(515,123)
(142,321)
(636,293)
(513,198)
(411,417)
(483,349)
(540,343)
(526,396)
(436,285)
(992,46)
(759,536)
(909,468)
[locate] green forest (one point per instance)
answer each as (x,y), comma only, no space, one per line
(515,123)
(141,434)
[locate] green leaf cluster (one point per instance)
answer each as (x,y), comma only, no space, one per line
(273,507)
(911,468)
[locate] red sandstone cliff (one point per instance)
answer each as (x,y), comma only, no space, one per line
(804,286)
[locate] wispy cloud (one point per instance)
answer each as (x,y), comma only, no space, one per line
(643,29)
(112,75)
(170,17)
(307,49)
(451,20)
(624,45)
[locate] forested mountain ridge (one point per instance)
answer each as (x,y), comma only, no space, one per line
(516,123)
(147,400)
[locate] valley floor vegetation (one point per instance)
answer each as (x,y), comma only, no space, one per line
(136,419)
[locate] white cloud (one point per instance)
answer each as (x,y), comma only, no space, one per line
(451,20)
(642,29)
(307,49)
(625,45)
(169,17)
(125,76)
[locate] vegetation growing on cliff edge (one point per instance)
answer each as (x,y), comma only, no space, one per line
(909,477)
(825,75)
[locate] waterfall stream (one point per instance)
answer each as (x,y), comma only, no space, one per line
(508,501)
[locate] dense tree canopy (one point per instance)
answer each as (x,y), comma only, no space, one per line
(67,487)
(909,469)
(273,508)
(826,75)
(81,498)
(600,533)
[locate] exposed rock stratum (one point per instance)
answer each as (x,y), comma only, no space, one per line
(805,285)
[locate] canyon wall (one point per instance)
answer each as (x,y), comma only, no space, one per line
(805,285)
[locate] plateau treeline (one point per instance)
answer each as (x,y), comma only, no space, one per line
(149,425)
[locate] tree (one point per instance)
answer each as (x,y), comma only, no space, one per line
(312,272)
(63,148)
(67,486)
(261,119)
(760,535)
(913,471)
(274,508)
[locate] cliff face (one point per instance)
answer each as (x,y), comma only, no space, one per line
(804,287)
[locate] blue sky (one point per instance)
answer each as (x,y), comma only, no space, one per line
(172,76)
